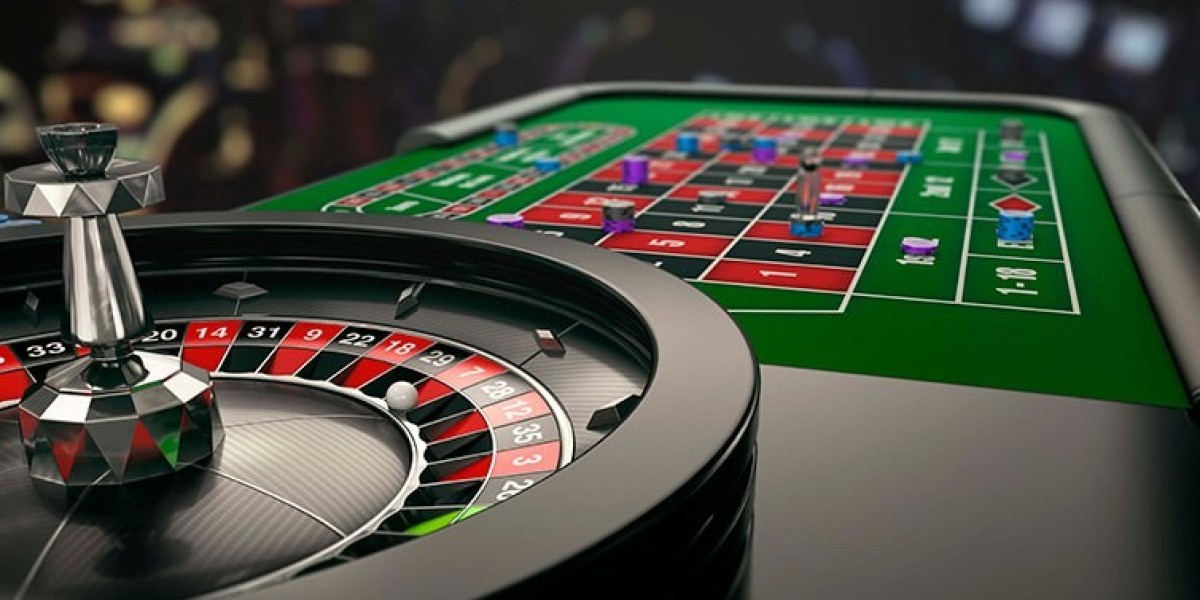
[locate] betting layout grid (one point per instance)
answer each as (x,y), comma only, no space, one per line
(464,183)
(490,431)
(746,242)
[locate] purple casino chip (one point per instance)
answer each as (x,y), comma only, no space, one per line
(764,150)
(764,156)
(831,199)
(507,220)
(619,216)
(618,225)
(635,169)
(855,159)
(1014,156)
(917,246)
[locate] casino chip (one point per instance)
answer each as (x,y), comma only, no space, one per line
(831,199)
(1012,131)
(1012,174)
(918,246)
(731,142)
(1014,156)
(764,149)
(635,169)
(806,226)
(506,135)
(547,164)
(507,220)
(1015,226)
(687,142)
(856,160)
(618,216)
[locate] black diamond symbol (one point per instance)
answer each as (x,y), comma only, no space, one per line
(1013,179)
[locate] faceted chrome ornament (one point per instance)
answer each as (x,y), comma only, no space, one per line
(79,150)
(114,415)
(82,179)
(44,191)
(77,434)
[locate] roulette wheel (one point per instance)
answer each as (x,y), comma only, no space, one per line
(226,403)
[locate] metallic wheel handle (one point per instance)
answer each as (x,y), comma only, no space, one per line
(104,397)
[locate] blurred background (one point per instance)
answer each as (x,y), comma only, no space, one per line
(242,99)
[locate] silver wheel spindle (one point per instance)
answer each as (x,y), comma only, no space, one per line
(114,415)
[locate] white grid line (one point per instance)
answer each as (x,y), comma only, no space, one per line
(1024,258)
(777,288)
(962,303)
(1058,217)
(962,265)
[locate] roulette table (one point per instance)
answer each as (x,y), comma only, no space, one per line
(647,339)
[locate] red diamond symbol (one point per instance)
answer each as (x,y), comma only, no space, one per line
(1015,202)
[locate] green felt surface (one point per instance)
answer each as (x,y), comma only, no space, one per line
(1079,323)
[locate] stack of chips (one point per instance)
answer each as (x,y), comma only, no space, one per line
(730,142)
(635,169)
(687,142)
(1012,131)
(764,150)
(618,216)
(507,135)
(909,157)
(1015,226)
